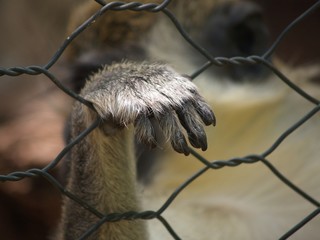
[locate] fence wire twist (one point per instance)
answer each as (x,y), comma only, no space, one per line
(218,61)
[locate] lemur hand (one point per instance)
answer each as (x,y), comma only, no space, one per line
(129,92)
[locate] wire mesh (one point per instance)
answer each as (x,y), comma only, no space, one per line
(208,165)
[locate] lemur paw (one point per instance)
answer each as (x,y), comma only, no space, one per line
(128,92)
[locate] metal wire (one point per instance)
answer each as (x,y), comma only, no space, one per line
(208,165)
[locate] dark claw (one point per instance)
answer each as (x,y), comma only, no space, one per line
(196,133)
(199,140)
(205,112)
(172,130)
(145,131)
(179,143)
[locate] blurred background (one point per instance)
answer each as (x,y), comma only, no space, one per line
(32,115)
(33,110)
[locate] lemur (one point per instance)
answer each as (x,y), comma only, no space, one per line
(134,68)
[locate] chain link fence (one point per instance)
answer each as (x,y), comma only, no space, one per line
(207,164)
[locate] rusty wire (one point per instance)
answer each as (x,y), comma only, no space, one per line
(218,61)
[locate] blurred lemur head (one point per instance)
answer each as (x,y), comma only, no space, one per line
(223,28)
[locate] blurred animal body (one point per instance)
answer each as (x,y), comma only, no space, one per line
(143,92)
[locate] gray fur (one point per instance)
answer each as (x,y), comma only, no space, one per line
(123,95)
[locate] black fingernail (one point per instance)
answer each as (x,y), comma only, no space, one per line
(205,113)
(180,145)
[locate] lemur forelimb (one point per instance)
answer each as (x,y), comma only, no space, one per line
(126,96)
(137,95)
